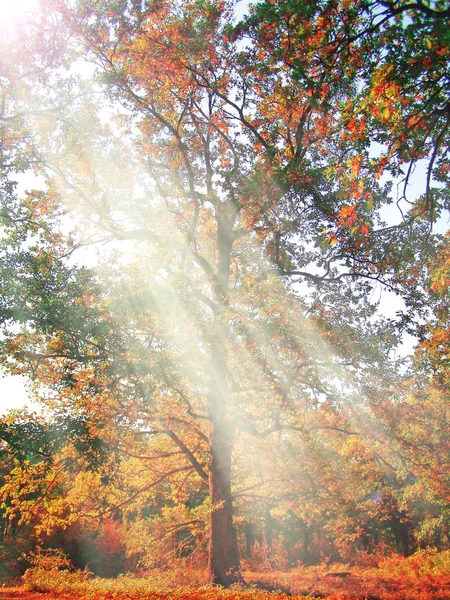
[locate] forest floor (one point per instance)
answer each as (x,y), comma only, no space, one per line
(350,589)
(423,576)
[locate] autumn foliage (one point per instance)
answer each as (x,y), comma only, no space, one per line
(200,292)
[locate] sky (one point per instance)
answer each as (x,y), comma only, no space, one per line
(10,9)
(13,393)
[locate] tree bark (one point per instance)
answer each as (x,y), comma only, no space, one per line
(223,555)
(401,532)
(223,558)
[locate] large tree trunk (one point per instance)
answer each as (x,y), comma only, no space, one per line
(223,559)
(223,556)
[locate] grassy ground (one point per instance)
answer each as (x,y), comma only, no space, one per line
(424,576)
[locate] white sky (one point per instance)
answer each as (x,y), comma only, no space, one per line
(10,9)
(13,393)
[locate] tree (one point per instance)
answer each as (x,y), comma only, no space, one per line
(240,160)
(420,423)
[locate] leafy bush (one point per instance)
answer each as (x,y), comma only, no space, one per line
(52,571)
(423,562)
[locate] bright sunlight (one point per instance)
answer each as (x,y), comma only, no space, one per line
(12,12)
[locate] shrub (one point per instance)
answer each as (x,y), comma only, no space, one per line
(51,570)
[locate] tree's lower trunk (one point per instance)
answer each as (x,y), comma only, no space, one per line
(250,538)
(306,557)
(223,560)
(223,556)
(268,532)
(401,532)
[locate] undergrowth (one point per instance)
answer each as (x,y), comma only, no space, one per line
(423,576)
